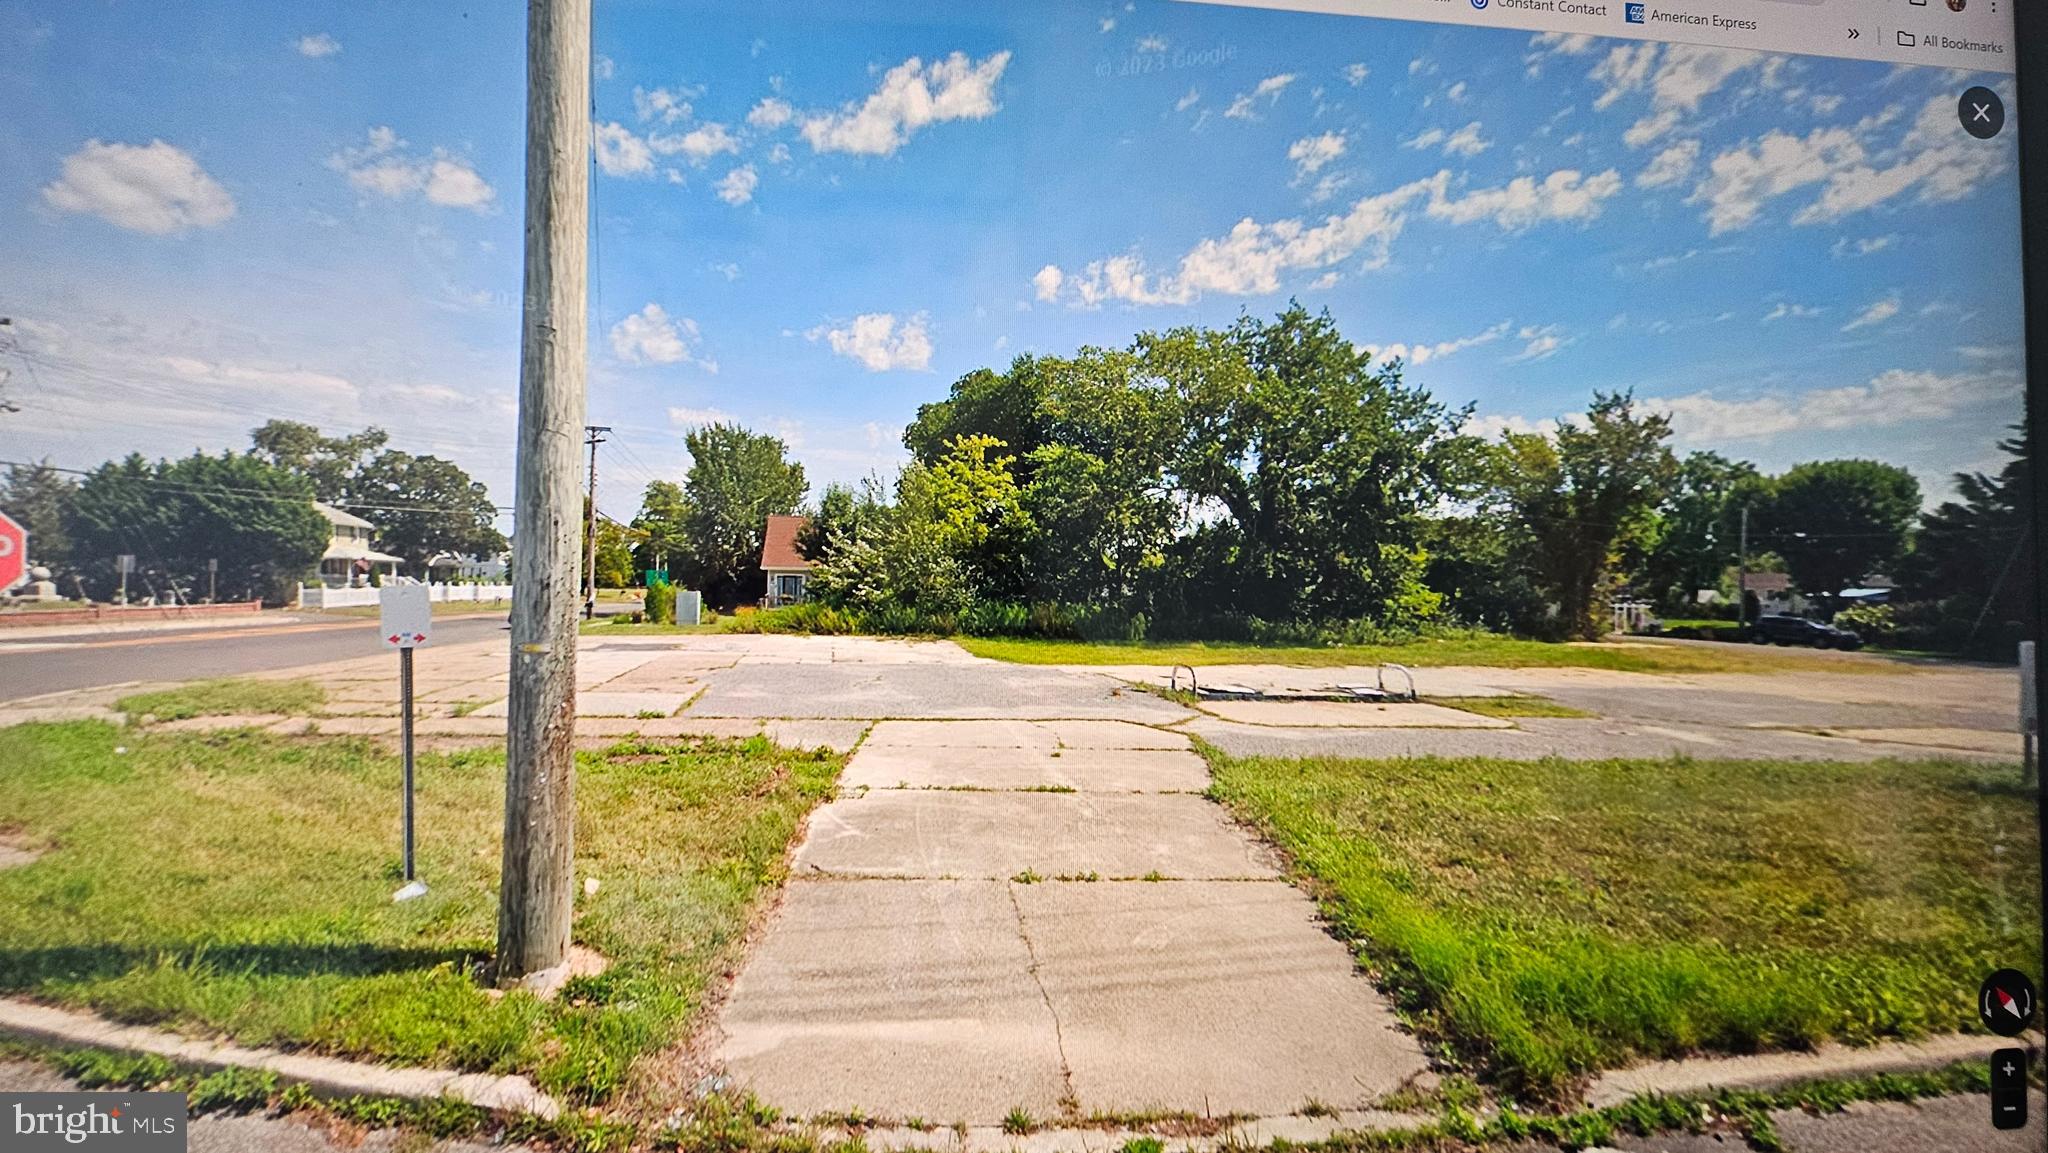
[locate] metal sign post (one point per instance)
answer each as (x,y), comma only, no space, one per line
(126,563)
(407,619)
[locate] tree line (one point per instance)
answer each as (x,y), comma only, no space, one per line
(244,519)
(1272,480)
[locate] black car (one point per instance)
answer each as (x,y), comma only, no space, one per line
(1791,630)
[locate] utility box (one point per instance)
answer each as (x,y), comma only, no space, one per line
(689,606)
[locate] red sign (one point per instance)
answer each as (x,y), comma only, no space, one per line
(13,552)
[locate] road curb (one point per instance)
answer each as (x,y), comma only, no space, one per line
(1765,1071)
(326,1076)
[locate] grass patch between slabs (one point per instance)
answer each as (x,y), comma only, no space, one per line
(226,698)
(1549,918)
(240,884)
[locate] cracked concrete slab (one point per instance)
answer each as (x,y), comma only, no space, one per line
(1209,997)
(1092,770)
(929,833)
(1349,715)
(897,998)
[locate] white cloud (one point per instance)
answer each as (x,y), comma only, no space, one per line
(1355,74)
(691,417)
(1491,426)
(1456,92)
(1423,353)
(621,153)
(1544,45)
(663,105)
(1539,343)
(1188,101)
(772,112)
(1311,154)
(737,186)
(650,336)
(1252,257)
(1863,246)
(1670,166)
(1106,25)
(1875,314)
(1243,106)
(1741,179)
(317,45)
(1786,310)
(879,343)
(384,167)
(1564,195)
(1046,282)
(1465,141)
(727,269)
(911,96)
(1677,76)
(604,67)
(697,145)
(1152,44)
(153,188)
(1893,397)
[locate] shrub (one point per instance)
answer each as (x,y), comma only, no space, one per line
(1876,624)
(660,605)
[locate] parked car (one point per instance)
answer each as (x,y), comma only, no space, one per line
(1780,629)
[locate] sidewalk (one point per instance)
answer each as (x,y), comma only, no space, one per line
(1048,917)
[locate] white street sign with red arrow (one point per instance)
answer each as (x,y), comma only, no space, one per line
(407,616)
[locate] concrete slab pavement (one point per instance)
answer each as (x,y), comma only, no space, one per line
(899,998)
(995,835)
(1083,770)
(1209,998)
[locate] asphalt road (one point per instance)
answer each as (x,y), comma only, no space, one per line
(31,666)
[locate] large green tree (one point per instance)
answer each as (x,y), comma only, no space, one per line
(1577,494)
(424,506)
(737,480)
(1837,522)
(1976,554)
(253,517)
(1321,465)
(1698,527)
(1091,436)
(40,499)
(662,526)
(331,463)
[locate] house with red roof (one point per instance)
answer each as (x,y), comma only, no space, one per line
(783,561)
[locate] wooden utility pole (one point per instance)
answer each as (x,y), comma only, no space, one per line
(535,894)
(595,434)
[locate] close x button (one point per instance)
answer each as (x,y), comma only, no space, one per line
(2009,1089)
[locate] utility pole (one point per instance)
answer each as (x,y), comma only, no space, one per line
(1742,574)
(535,898)
(595,432)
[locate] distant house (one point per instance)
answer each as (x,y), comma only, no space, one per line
(349,559)
(783,561)
(449,568)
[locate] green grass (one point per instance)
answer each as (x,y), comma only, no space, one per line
(622,627)
(226,698)
(241,884)
(1548,919)
(1640,655)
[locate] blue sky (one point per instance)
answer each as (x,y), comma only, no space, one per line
(812,223)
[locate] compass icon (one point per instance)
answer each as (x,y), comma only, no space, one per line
(2006,1002)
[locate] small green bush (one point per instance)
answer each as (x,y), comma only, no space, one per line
(660,603)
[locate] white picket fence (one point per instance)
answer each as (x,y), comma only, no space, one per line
(321,597)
